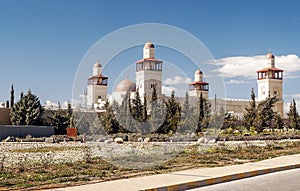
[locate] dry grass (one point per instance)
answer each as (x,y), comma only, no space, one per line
(90,169)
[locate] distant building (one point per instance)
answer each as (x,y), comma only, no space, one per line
(269,80)
(97,87)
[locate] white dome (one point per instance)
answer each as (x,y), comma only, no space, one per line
(149,45)
(198,71)
(125,85)
(97,65)
(269,56)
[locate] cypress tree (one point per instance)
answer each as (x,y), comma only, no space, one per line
(157,114)
(172,115)
(250,112)
(12,96)
(7,104)
(187,122)
(293,116)
(203,113)
(108,120)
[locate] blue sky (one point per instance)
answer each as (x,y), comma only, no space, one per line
(43,42)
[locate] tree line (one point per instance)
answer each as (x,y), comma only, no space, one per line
(165,116)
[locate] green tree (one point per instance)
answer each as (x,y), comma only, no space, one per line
(81,122)
(230,121)
(96,127)
(27,111)
(278,121)
(123,113)
(108,120)
(266,115)
(60,120)
(250,112)
(172,115)
(137,108)
(157,112)
(187,121)
(203,114)
(139,114)
(12,96)
(293,116)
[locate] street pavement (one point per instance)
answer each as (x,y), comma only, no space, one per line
(288,180)
(195,178)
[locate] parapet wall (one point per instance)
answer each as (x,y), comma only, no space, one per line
(23,131)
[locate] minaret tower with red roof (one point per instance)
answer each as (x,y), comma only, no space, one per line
(97,86)
(148,72)
(269,80)
(198,86)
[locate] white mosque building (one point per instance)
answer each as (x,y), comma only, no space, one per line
(149,75)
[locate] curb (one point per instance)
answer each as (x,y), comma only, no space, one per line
(221,179)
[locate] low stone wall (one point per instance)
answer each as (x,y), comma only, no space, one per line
(23,131)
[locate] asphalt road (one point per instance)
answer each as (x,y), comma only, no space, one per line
(279,181)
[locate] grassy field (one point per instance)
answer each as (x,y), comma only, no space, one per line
(27,174)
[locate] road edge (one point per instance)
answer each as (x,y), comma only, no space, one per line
(221,179)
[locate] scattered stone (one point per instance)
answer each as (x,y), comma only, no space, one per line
(202,140)
(140,139)
(212,141)
(49,140)
(110,140)
(118,140)
(146,140)
(10,139)
(101,139)
(247,134)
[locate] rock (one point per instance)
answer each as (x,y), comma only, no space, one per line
(147,140)
(212,141)
(10,139)
(49,140)
(118,140)
(202,140)
(101,139)
(247,134)
(108,141)
(140,139)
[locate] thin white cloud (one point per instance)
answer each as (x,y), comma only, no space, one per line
(236,82)
(167,90)
(246,66)
(177,80)
(289,98)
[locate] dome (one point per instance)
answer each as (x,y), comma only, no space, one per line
(125,85)
(97,64)
(149,45)
(269,56)
(198,71)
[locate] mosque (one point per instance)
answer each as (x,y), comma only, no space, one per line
(148,72)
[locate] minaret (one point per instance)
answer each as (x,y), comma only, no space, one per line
(269,81)
(198,86)
(148,72)
(97,86)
